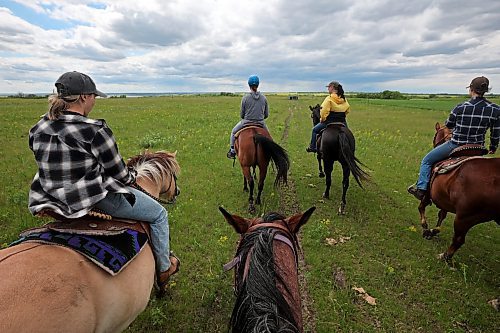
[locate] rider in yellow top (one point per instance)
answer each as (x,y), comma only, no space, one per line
(333,109)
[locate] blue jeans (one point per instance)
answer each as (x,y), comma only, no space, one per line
(316,129)
(148,210)
(437,154)
(242,123)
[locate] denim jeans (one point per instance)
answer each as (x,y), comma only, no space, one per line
(437,154)
(145,209)
(316,129)
(242,123)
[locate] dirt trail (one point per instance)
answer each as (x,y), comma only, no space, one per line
(290,205)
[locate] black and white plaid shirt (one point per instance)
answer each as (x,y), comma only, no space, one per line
(78,163)
(470,122)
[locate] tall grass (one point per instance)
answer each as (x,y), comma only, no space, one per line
(384,252)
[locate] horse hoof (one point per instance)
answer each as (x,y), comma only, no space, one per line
(251,210)
(326,196)
(341,211)
(435,232)
(321,175)
(427,234)
(444,257)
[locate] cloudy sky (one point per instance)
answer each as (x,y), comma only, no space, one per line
(426,46)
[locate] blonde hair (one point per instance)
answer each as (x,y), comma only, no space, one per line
(57,105)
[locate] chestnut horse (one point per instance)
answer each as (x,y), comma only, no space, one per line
(256,148)
(471,192)
(47,288)
(266,274)
(337,144)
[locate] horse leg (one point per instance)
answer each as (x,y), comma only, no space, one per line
(321,173)
(426,233)
(441,216)
(245,184)
(328,170)
(461,226)
(249,179)
(262,178)
(345,185)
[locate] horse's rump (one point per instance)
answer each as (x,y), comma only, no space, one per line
(474,186)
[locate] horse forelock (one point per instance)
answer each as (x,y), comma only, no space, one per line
(155,166)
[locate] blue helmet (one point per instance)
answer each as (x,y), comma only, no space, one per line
(253,80)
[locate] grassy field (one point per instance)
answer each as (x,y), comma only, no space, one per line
(382,249)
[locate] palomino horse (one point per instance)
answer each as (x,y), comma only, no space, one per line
(47,288)
(337,144)
(266,275)
(470,191)
(255,148)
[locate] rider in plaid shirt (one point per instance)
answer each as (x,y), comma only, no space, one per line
(79,168)
(469,122)
(78,163)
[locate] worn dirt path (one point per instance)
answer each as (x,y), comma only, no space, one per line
(290,205)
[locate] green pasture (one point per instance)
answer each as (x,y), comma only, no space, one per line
(379,244)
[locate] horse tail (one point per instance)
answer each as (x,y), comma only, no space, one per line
(275,153)
(347,151)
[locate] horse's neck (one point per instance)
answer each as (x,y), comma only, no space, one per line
(284,258)
(149,186)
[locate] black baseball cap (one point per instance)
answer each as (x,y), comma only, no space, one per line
(334,84)
(74,84)
(480,85)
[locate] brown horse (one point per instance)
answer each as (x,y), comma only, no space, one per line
(266,275)
(471,192)
(256,148)
(47,288)
(337,144)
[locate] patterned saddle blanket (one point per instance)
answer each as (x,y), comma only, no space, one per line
(109,245)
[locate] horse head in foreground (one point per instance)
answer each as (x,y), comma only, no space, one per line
(337,143)
(51,288)
(465,185)
(266,274)
(255,148)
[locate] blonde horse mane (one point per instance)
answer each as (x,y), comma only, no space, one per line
(155,166)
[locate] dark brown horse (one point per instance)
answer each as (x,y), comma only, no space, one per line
(337,144)
(471,192)
(266,275)
(255,148)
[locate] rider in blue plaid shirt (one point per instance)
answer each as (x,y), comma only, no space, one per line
(79,168)
(469,122)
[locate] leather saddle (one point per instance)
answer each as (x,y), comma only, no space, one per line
(95,223)
(248,126)
(457,157)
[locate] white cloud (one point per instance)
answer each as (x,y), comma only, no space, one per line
(213,45)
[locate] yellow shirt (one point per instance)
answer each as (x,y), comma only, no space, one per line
(333,103)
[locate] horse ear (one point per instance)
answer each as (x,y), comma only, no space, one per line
(310,108)
(438,126)
(297,221)
(239,223)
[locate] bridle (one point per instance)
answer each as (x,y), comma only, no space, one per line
(159,200)
(445,138)
(279,232)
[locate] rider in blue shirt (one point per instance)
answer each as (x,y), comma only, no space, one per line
(469,122)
